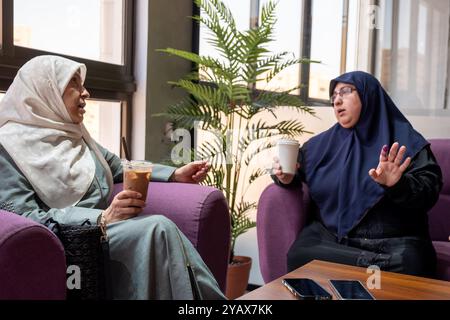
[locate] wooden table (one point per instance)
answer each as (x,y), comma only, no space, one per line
(393,285)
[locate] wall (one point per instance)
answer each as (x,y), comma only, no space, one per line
(431,126)
(140,73)
(158,26)
(173,30)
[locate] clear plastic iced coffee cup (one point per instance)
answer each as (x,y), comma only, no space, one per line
(287,155)
(136,176)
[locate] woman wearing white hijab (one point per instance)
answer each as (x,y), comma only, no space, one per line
(50,167)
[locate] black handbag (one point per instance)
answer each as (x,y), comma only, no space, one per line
(87,250)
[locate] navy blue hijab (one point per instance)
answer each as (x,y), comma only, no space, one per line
(338,160)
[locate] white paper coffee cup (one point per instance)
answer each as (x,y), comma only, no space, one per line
(287,155)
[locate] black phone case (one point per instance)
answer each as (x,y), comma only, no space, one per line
(301,296)
(361,287)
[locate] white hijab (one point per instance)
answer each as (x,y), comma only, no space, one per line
(38,133)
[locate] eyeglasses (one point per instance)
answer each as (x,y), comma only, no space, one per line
(343,92)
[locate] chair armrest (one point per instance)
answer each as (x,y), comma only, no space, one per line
(281,215)
(201,213)
(32,260)
(443,259)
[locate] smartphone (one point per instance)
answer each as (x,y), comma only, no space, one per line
(306,289)
(351,290)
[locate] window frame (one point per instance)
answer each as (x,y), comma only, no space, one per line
(105,81)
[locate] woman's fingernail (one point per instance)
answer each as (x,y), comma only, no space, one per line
(385,148)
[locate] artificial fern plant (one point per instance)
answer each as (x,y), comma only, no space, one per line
(222,98)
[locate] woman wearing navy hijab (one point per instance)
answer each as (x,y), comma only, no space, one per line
(373,179)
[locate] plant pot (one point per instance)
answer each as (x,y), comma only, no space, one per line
(237,276)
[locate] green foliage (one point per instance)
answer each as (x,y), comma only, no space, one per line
(223,99)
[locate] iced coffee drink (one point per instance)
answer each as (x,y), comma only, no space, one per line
(136,176)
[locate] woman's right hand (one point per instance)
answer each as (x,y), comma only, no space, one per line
(125,205)
(284,178)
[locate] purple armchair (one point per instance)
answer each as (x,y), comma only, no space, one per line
(32,261)
(282,214)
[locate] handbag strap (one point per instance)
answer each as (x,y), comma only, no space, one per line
(53,226)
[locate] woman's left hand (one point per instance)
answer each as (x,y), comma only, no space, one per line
(390,168)
(194,172)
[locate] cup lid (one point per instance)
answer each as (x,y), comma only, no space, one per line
(136,163)
(288,141)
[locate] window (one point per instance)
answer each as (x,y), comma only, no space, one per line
(333,42)
(328,35)
(287,38)
(91,29)
(325,46)
(102,120)
(98,33)
(413,55)
(241,13)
